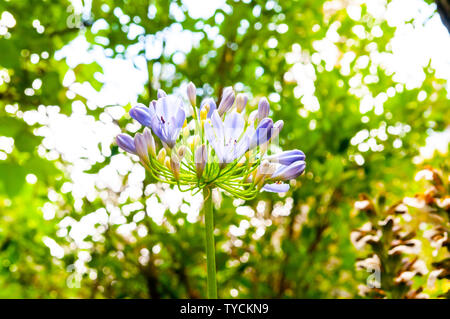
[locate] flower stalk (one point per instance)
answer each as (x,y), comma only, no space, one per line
(210,244)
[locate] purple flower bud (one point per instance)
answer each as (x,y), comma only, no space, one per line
(141,146)
(126,142)
(161,93)
(201,157)
(227,100)
(141,114)
(241,101)
(276,188)
(175,165)
(211,103)
(291,171)
(287,157)
(263,109)
(192,93)
(262,134)
(150,141)
(277,127)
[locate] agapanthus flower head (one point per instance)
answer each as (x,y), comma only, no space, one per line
(212,146)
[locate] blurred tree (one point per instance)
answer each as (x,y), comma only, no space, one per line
(320,66)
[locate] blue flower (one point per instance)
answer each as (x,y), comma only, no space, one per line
(224,136)
(165,117)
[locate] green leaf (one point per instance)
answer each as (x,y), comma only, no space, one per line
(12,178)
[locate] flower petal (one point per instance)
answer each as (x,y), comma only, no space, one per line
(141,114)
(217,124)
(262,134)
(211,137)
(289,172)
(234,126)
(175,125)
(167,106)
(161,93)
(276,188)
(244,143)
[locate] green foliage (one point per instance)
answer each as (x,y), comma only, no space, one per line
(292,246)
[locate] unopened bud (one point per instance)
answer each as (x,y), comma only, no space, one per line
(241,101)
(227,100)
(161,156)
(150,141)
(201,157)
(204,112)
(175,165)
(161,93)
(186,132)
(263,109)
(141,147)
(182,151)
(252,118)
(277,126)
(194,142)
(191,93)
(167,163)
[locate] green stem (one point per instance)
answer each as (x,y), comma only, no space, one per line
(210,246)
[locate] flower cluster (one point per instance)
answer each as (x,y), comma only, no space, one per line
(212,146)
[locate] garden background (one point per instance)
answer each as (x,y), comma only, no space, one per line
(362,87)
